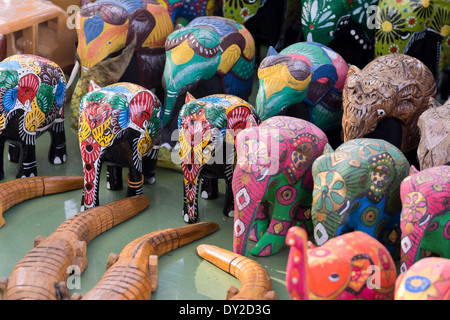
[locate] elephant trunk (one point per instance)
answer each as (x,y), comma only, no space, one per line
(296,270)
(191,172)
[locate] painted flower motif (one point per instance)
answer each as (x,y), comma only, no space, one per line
(392,24)
(415,207)
(329,191)
(394,48)
(411,21)
(422,8)
(359,12)
(317,17)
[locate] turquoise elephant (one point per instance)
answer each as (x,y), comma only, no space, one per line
(357,187)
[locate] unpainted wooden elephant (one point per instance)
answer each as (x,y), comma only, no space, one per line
(353,266)
(273,166)
(211,55)
(357,187)
(32,100)
(208,127)
(119,125)
(425,217)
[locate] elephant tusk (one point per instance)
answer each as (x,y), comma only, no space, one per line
(255,281)
(347,205)
(43,272)
(74,73)
(15,191)
(133,274)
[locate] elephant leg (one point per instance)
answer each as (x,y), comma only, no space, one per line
(13,152)
(114,180)
(28,167)
(135,181)
(228,209)
(261,222)
(90,197)
(149,167)
(210,188)
(2,148)
(57,153)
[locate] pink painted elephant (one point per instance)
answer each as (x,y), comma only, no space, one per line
(351,266)
(425,217)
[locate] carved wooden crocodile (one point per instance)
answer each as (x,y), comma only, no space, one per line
(255,281)
(15,191)
(42,273)
(132,275)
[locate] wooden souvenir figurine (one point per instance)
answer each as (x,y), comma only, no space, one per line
(208,127)
(211,55)
(427,279)
(106,29)
(357,187)
(385,100)
(425,218)
(353,266)
(120,125)
(42,273)
(434,126)
(255,281)
(16,191)
(304,80)
(191,9)
(133,275)
(32,99)
(273,165)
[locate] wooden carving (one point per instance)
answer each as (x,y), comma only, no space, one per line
(394,86)
(434,125)
(42,273)
(255,281)
(15,191)
(132,275)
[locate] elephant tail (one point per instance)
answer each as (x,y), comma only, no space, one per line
(16,191)
(255,281)
(88,224)
(131,274)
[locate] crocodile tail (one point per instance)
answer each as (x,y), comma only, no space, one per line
(86,225)
(255,281)
(15,191)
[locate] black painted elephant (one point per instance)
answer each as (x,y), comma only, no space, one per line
(118,125)
(32,99)
(207,128)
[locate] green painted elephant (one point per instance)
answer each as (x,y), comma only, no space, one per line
(357,187)
(273,165)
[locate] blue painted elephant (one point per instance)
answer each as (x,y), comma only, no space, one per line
(357,187)
(32,100)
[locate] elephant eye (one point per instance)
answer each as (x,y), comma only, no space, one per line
(109,42)
(381,112)
(107,132)
(334,277)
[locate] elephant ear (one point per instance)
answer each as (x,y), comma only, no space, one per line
(382,175)
(413,170)
(141,25)
(93,86)
(189,97)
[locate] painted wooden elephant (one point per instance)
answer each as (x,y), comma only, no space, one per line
(274,166)
(344,26)
(105,29)
(434,126)
(191,9)
(207,129)
(304,80)
(385,99)
(119,125)
(404,25)
(351,266)
(427,279)
(32,100)
(425,218)
(211,55)
(357,187)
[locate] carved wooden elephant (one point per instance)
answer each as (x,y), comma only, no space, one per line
(273,165)
(121,126)
(425,218)
(385,100)
(357,187)
(105,29)
(427,279)
(207,128)
(32,100)
(351,266)
(305,80)
(211,55)
(434,126)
